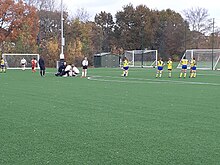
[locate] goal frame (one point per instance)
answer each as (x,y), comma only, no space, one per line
(28,66)
(143,62)
(214,53)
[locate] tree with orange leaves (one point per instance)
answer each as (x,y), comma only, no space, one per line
(18,21)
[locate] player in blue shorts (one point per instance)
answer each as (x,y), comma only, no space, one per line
(160,65)
(125,67)
(184,63)
(2,69)
(193,68)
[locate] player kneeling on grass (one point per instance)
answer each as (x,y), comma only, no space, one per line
(169,67)
(75,70)
(192,68)
(160,65)
(184,63)
(2,69)
(61,69)
(125,67)
(67,71)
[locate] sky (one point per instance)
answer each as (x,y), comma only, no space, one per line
(112,6)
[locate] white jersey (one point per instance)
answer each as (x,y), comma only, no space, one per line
(75,70)
(68,68)
(85,63)
(23,61)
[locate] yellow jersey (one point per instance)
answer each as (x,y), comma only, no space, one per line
(125,63)
(193,63)
(169,64)
(184,61)
(2,62)
(160,63)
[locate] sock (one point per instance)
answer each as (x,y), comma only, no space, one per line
(85,73)
(184,75)
(194,74)
(181,74)
(169,74)
(41,73)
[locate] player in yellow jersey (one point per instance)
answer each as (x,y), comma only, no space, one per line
(170,67)
(125,67)
(184,63)
(160,65)
(2,69)
(193,68)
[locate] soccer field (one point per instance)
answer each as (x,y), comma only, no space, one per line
(109,119)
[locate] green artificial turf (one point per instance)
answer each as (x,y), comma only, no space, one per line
(109,119)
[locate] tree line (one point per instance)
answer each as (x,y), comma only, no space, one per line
(33,26)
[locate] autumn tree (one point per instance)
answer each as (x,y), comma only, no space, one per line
(135,27)
(82,15)
(170,35)
(105,22)
(200,24)
(79,41)
(17,19)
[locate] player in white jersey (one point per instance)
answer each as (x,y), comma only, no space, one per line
(75,70)
(67,71)
(85,64)
(23,63)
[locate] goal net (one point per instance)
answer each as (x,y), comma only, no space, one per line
(13,61)
(207,59)
(141,58)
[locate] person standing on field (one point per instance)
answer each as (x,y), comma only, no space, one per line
(184,62)
(125,67)
(42,67)
(2,69)
(160,65)
(85,64)
(170,67)
(23,63)
(33,64)
(193,68)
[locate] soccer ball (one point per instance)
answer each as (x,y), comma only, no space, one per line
(88,78)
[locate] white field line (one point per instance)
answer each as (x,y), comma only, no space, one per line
(141,80)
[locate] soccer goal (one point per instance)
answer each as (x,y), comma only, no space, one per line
(141,58)
(206,59)
(13,61)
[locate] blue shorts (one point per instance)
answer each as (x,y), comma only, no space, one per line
(184,66)
(126,67)
(160,68)
(2,66)
(193,68)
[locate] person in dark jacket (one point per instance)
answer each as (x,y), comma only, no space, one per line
(42,67)
(61,70)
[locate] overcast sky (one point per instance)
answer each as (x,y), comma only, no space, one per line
(112,6)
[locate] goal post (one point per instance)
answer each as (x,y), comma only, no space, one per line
(207,59)
(142,58)
(13,61)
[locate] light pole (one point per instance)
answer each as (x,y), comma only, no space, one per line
(62,38)
(213,35)
(142,41)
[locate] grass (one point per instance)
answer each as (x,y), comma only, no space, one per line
(109,119)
